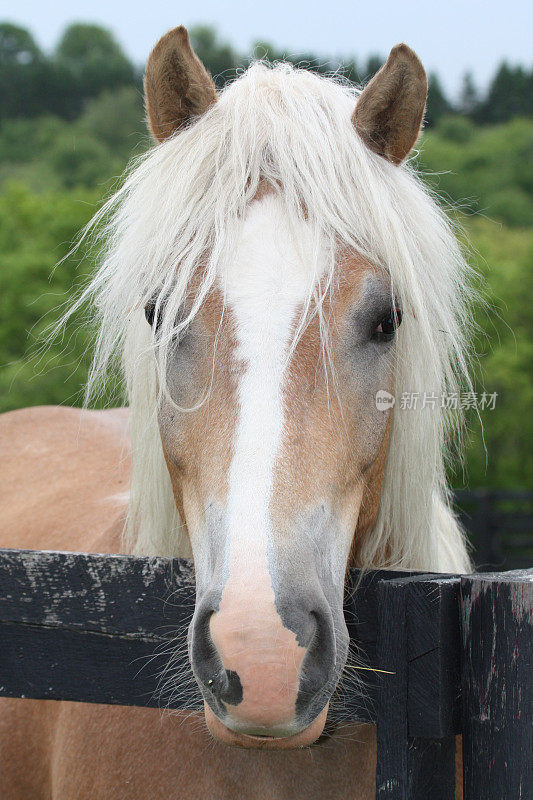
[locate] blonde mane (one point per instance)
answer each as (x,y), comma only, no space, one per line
(183,202)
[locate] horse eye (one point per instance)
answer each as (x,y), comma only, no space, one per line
(388,326)
(149,312)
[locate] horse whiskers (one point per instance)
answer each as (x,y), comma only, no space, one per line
(370,669)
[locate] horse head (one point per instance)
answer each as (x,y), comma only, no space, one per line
(277,244)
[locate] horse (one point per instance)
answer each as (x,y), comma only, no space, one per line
(275,280)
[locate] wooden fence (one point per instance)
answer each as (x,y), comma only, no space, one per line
(455,654)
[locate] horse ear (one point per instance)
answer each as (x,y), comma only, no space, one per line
(177,86)
(389,112)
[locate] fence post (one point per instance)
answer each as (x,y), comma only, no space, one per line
(415,717)
(497,685)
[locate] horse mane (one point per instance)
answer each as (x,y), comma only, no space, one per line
(182,204)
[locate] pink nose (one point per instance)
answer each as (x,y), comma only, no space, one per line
(254,645)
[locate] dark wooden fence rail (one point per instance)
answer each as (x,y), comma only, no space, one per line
(454,654)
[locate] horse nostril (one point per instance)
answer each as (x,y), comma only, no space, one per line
(232,692)
(204,657)
(319,661)
(206,661)
(226,686)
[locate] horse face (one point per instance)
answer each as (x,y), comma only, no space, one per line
(270,470)
(276,468)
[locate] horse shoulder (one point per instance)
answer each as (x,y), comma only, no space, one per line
(64,478)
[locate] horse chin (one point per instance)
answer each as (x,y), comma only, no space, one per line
(301,739)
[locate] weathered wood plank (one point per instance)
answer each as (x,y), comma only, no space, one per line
(101,629)
(434,703)
(410,626)
(110,594)
(392,731)
(431,769)
(360,612)
(497,685)
(111,615)
(72,664)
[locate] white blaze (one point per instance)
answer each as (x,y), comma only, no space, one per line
(266,285)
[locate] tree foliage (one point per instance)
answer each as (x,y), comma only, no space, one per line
(499,451)
(93,59)
(17,45)
(36,233)
(88,61)
(437,104)
(220,58)
(510,95)
(488,169)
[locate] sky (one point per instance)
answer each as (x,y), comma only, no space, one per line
(450,37)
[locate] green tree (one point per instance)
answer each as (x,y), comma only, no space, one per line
(469,98)
(36,232)
(218,56)
(510,95)
(87,61)
(499,451)
(373,64)
(80,44)
(485,169)
(23,69)
(94,60)
(17,45)
(116,118)
(456,128)
(437,104)
(81,160)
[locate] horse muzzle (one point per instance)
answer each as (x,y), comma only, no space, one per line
(266,672)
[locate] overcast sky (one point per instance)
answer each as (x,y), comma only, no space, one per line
(450,37)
